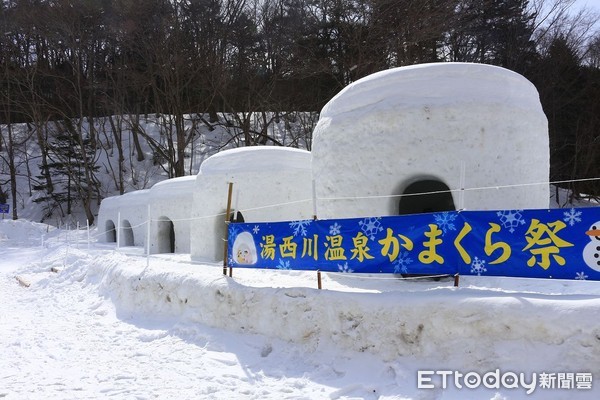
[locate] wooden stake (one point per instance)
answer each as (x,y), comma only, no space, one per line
(314,199)
(226,244)
(319,279)
(456,278)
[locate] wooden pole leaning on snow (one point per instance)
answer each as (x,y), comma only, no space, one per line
(226,242)
(235,212)
(87,221)
(148,220)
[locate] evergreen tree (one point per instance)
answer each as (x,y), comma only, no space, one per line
(68,167)
(495,32)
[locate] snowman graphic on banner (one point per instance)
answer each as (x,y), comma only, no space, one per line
(591,252)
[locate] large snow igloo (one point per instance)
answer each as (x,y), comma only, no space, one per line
(269,184)
(388,138)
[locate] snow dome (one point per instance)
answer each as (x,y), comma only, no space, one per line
(432,128)
(132,208)
(269,184)
(171,207)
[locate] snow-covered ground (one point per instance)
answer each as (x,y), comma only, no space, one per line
(107,325)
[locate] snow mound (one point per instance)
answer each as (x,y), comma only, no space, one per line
(432,320)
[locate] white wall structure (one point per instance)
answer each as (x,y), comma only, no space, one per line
(269,184)
(171,203)
(132,208)
(414,129)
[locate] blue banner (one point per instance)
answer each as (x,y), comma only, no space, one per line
(4,208)
(558,243)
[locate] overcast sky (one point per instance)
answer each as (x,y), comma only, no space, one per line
(590,3)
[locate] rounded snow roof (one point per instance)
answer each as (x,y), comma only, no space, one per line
(256,159)
(135,198)
(174,187)
(434,84)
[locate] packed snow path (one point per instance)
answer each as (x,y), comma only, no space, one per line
(64,341)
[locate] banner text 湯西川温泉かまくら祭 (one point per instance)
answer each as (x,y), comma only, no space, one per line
(557,243)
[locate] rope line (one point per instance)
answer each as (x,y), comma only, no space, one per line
(222,214)
(460,190)
(274,205)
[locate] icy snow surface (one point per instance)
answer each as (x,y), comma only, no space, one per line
(107,326)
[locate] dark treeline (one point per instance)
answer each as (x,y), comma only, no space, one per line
(63,62)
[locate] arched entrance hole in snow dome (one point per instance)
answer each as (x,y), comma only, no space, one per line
(424,196)
(111,232)
(236,217)
(165,236)
(126,234)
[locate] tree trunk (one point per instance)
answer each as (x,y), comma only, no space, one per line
(135,129)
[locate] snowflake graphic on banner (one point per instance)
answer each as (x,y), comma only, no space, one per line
(256,229)
(344,268)
(478,267)
(511,219)
(283,264)
(370,226)
(299,227)
(335,229)
(233,232)
(445,221)
(572,216)
(580,276)
(402,262)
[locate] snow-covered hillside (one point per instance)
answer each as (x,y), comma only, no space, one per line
(290,129)
(106,324)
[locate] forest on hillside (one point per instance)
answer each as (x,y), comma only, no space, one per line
(247,64)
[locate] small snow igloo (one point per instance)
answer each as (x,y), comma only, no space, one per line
(171,203)
(406,140)
(269,184)
(132,209)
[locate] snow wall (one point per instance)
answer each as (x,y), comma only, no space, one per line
(432,128)
(269,184)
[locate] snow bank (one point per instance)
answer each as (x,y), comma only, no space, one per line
(419,320)
(22,232)
(273,334)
